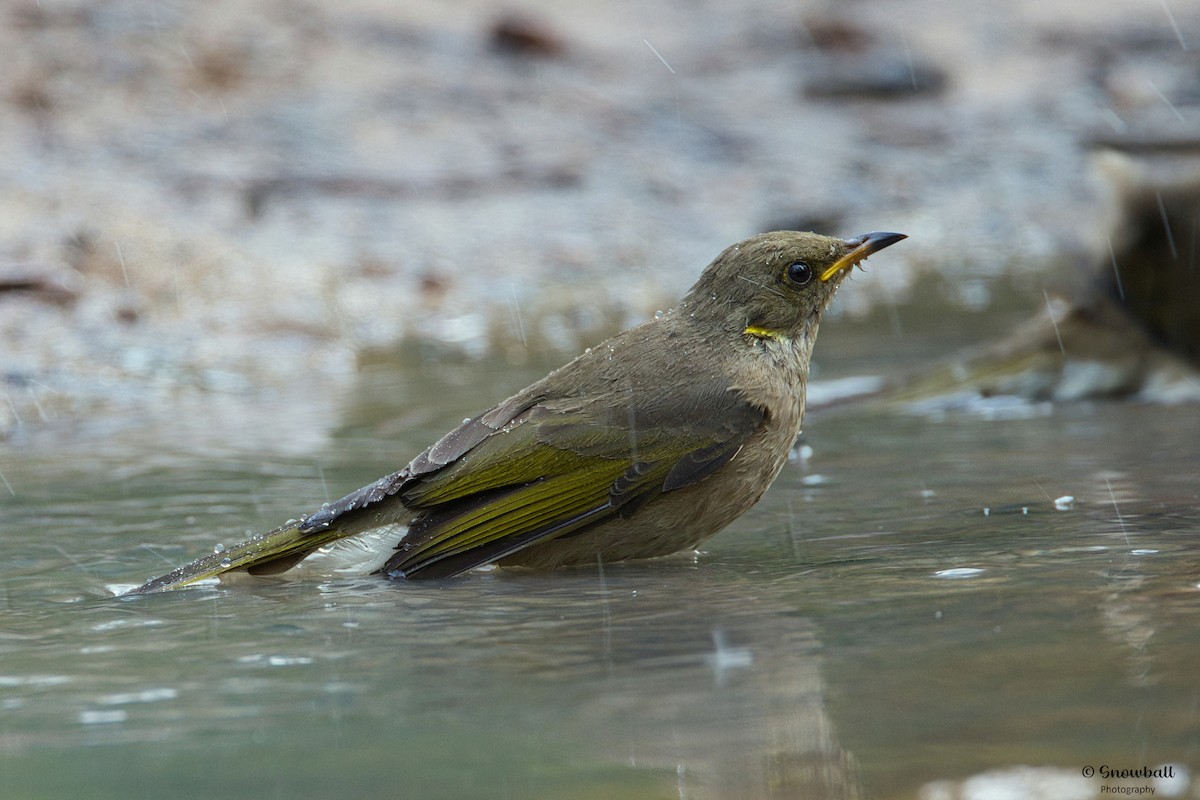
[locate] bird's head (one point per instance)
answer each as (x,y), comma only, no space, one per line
(777,285)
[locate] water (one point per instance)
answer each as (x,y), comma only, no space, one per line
(867,631)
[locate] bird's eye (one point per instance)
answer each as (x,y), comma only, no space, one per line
(799,273)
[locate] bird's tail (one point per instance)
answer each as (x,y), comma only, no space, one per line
(267,554)
(361,511)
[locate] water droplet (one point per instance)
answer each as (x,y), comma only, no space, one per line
(958,572)
(658,314)
(220,548)
(226,563)
(588,350)
(288,661)
(466,420)
(800,453)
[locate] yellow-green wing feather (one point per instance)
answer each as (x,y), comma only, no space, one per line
(556,474)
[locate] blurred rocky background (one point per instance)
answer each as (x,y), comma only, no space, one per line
(237,202)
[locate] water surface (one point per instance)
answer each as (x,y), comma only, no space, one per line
(907,609)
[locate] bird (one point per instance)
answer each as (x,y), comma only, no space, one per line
(642,446)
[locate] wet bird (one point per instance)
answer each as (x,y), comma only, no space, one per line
(642,446)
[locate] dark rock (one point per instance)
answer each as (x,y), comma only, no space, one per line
(838,35)
(525,35)
(47,283)
(1154,273)
(874,76)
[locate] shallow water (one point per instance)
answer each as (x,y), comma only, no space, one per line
(906,610)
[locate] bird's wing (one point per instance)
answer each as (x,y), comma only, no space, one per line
(561,466)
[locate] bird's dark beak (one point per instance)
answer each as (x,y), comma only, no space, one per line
(861,246)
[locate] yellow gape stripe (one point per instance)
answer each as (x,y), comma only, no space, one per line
(834,270)
(762,333)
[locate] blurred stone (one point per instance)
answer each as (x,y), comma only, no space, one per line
(837,35)
(874,75)
(525,35)
(1028,782)
(41,281)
